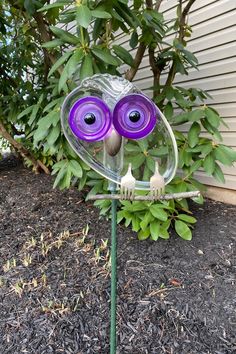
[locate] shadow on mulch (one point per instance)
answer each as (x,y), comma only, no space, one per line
(173,296)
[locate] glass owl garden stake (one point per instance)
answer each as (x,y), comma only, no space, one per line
(121,134)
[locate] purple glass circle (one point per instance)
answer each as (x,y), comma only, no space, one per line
(90,129)
(129,106)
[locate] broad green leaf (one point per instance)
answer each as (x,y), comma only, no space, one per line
(66,180)
(54,5)
(205,149)
(181,187)
(137,160)
(158,152)
(187,218)
(52,44)
(193,134)
(75,168)
(70,67)
(105,56)
(158,213)
(97,28)
(52,118)
(135,223)
(59,62)
(150,163)
(133,40)
(143,144)
(25,112)
(180,119)
(168,110)
(223,157)
(97,188)
(53,103)
(228,151)
(120,216)
(190,57)
(209,164)
(195,115)
(100,14)
(57,166)
(39,135)
(83,16)
(218,174)
(199,186)
(53,135)
(164,232)
(86,69)
(143,234)
(212,117)
(65,36)
(132,148)
(60,175)
(155,230)
(29,6)
(195,166)
(128,221)
(183,230)
(187,158)
(123,54)
(146,220)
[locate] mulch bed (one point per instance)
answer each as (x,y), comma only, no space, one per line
(173,296)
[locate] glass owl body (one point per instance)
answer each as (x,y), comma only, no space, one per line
(109,123)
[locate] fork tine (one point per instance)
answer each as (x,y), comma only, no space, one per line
(126,192)
(132,194)
(152,193)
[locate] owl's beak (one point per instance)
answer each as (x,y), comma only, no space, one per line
(113,143)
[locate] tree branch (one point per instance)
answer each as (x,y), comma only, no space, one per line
(182,24)
(46,36)
(156,72)
(130,74)
(149,4)
(22,150)
(193,194)
(158,4)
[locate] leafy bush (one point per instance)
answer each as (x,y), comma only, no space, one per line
(40,62)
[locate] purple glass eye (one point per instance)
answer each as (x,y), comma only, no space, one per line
(134,116)
(90,118)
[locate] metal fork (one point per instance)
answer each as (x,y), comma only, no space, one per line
(127,186)
(157,183)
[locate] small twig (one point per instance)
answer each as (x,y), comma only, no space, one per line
(146,197)
(182,24)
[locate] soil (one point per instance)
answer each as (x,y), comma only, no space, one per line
(174,296)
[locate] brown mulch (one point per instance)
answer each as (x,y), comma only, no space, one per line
(173,296)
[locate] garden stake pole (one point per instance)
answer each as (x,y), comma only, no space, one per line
(113,276)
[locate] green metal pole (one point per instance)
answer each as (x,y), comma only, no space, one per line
(113,277)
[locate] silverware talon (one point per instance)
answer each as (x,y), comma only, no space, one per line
(157,184)
(127,187)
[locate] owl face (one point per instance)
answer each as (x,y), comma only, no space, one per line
(109,123)
(133,117)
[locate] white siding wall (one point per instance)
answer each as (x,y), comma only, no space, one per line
(214,43)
